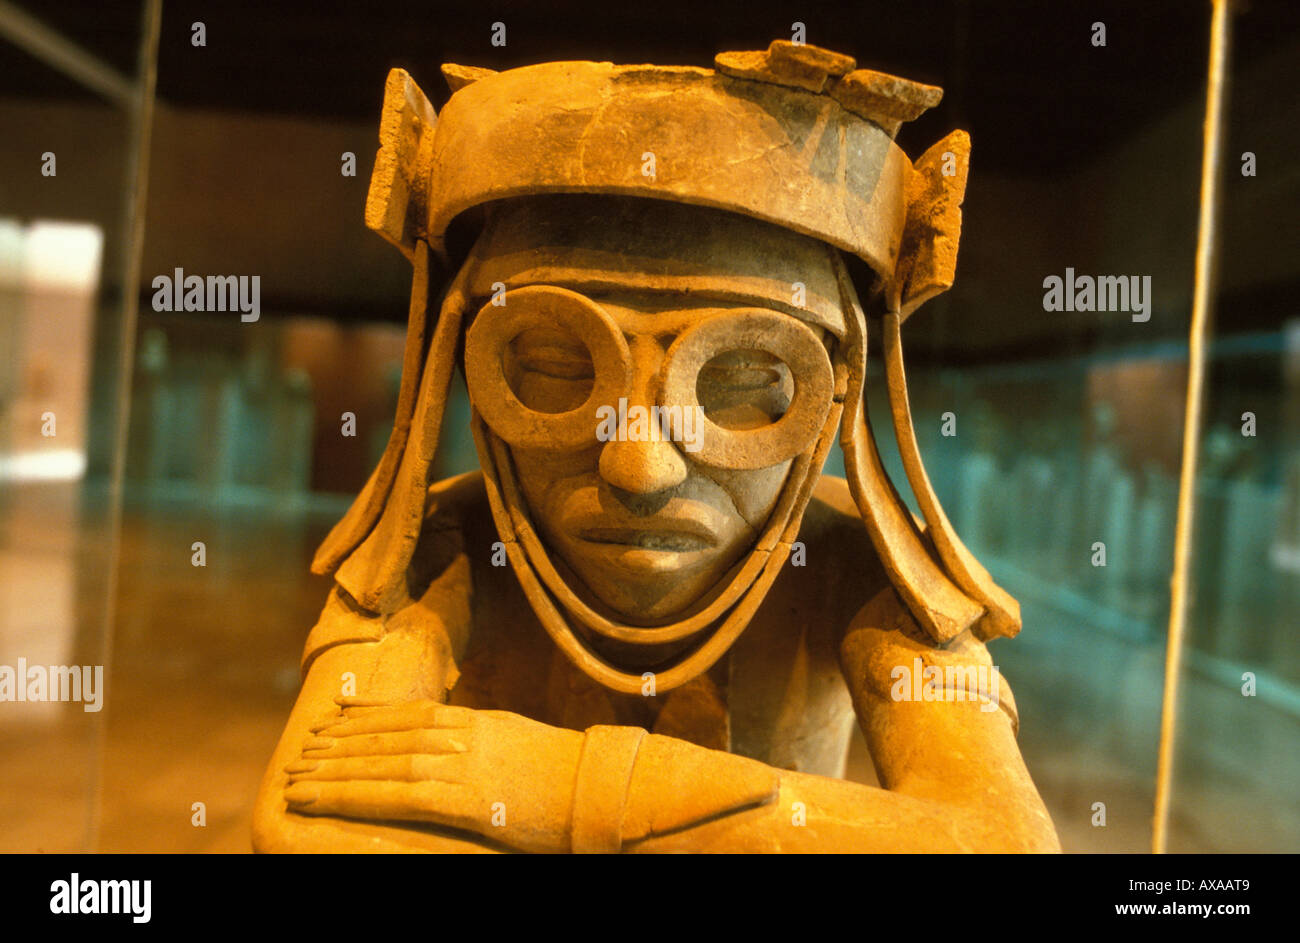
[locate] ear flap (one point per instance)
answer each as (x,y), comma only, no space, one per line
(397,205)
(344,537)
(928,254)
(395,208)
(941,608)
(927,266)
(1001,611)
(375,572)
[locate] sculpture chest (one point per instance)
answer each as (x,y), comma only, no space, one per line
(778,695)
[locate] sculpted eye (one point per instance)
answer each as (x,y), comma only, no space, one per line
(551,353)
(744,389)
(549,370)
(738,371)
(560,363)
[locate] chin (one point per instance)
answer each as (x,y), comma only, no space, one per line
(644,583)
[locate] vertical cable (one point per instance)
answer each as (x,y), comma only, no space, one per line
(1206,240)
(140,118)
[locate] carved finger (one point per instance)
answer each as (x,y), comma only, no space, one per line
(453,740)
(413,716)
(448,804)
(416,767)
(352,707)
(331,721)
(344,702)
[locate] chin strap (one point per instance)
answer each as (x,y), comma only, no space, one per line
(943,585)
(741,595)
(939,605)
(1001,610)
(396,203)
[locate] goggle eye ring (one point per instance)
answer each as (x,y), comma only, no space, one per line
(496,326)
(784,337)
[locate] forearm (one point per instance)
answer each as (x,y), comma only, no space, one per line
(808,813)
(955,781)
(355,667)
(941,726)
(281,832)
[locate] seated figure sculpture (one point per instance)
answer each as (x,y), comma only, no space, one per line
(649,622)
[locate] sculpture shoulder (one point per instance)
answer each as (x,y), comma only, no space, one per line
(455,511)
(833,529)
(438,577)
(453,502)
(832,492)
(833,569)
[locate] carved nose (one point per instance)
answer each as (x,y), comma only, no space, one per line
(649,463)
(642,467)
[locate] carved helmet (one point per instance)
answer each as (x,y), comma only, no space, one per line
(795,136)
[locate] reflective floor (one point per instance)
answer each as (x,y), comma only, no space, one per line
(202,674)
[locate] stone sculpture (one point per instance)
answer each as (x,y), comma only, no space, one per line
(649,622)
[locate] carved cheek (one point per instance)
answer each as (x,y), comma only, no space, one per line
(753,492)
(541,471)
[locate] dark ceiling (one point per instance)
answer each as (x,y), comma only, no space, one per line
(1026,68)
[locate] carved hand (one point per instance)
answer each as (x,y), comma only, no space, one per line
(499,774)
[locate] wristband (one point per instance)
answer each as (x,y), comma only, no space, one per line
(600,792)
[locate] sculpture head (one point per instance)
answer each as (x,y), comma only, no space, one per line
(661,339)
(651,425)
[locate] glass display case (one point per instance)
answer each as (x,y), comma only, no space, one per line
(166,475)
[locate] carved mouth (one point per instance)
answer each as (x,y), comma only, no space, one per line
(671,541)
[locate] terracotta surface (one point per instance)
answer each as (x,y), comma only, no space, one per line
(650,623)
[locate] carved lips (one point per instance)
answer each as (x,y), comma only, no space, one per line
(688,529)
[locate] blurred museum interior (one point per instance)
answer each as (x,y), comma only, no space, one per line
(231,433)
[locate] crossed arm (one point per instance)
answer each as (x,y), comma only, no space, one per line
(399,770)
